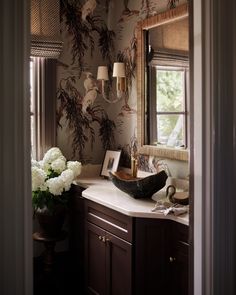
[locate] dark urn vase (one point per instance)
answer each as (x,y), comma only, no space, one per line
(51,222)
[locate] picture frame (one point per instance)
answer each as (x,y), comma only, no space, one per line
(110,162)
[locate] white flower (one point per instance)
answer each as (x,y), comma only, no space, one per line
(59,165)
(75,166)
(38,178)
(67,177)
(55,185)
(40,164)
(45,166)
(35,163)
(43,187)
(51,155)
(43,180)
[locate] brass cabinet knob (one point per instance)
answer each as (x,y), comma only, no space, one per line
(102,238)
(172,259)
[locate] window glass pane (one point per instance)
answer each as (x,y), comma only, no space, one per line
(170,90)
(170,130)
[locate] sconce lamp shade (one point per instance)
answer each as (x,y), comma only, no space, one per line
(119,73)
(102,73)
(119,69)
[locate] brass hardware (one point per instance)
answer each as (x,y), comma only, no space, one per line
(102,238)
(134,166)
(107,241)
(172,259)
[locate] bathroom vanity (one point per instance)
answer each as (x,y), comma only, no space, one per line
(122,247)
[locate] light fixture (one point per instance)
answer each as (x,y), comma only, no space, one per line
(119,74)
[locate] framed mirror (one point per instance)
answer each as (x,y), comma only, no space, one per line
(163,84)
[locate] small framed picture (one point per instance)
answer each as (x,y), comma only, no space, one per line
(110,162)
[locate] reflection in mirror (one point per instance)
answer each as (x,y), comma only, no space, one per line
(163,84)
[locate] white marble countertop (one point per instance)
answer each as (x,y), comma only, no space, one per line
(104,192)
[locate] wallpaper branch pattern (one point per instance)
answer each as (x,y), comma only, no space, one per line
(80,122)
(99,32)
(81,24)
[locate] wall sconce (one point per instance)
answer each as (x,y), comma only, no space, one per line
(119,74)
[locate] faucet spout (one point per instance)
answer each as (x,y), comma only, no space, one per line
(134,167)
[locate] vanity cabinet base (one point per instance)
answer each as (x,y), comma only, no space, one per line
(126,255)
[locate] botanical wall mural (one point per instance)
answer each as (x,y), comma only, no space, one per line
(86,33)
(99,32)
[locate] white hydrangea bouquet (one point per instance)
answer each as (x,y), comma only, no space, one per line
(52,178)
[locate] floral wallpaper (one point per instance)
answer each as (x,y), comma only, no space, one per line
(99,32)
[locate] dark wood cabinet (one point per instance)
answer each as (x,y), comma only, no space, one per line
(95,260)
(152,252)
(76,234)
(128,255)
(180,259)
(107,255)
(161,257)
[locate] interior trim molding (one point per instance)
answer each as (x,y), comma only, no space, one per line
(214,147)
(16,199)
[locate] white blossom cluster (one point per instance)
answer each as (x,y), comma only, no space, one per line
(54,162)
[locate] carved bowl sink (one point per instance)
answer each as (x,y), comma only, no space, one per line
(139,187)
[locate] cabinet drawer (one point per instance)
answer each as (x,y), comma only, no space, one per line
(108,219)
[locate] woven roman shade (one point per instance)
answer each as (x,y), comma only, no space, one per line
(45,28)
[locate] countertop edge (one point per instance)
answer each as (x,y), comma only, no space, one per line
(98,192)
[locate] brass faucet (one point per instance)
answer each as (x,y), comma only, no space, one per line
(134,166)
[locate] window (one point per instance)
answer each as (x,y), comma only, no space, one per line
(168,106)
(42,105)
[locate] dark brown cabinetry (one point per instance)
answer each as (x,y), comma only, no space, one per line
(76,234)
(180,259)
(108,255)
(152,252)
(126,255)
(161,257)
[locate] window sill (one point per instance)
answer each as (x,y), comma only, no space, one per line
(165,152)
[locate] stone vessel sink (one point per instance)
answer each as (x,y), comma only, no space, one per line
(139,187)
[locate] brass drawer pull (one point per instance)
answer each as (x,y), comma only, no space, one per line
(102,238)
(172,259)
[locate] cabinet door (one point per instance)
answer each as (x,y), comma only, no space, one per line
(76,239)
(95,260)
(118,257)
(181,268)
(180,259)
(152,252)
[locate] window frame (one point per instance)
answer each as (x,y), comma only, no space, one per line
(43,105)
(153,114)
